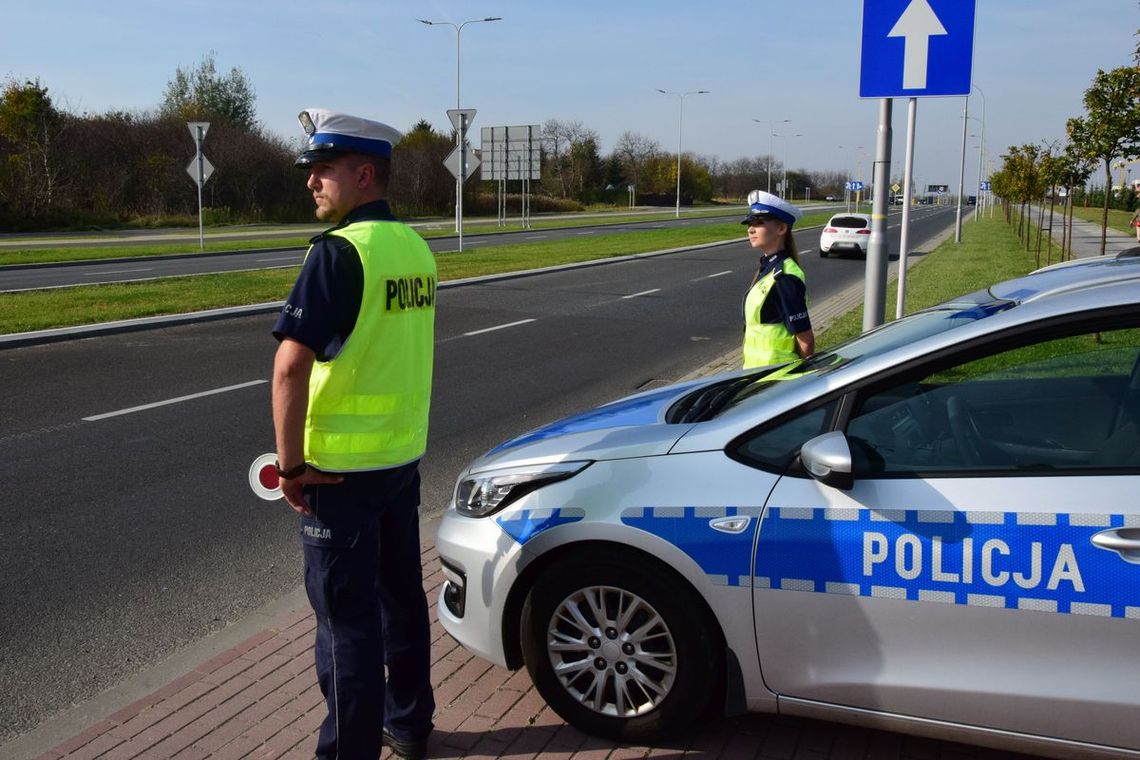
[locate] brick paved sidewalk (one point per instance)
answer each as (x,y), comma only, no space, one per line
(260,699)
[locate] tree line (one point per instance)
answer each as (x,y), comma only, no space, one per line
(64,170)
(1108,132)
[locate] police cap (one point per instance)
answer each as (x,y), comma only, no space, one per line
(762,205)
(334,134)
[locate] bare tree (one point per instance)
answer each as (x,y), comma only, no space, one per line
(635,151)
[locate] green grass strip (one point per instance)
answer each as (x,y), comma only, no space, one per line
(15,255)
(989,252)
(1117,220)
(90,304)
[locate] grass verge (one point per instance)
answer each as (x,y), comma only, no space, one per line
(443,229)
(1117,220)
(89,304)
(989,252)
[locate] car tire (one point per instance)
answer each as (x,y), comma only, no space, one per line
(822,253)
(676,654)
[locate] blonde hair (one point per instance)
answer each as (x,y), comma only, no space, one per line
(790,245)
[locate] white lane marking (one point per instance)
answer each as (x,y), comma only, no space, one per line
(500,327)
(144,407)
(279,258)
(588,232)
(537,237)
(642,293)
(719,274)
(116,271)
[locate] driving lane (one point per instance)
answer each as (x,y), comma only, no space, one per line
(133,532)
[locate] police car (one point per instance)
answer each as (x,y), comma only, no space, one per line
(933,528)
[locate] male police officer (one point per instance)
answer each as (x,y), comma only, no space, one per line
(351,387)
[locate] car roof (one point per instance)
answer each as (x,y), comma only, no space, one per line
(1095,285)
(1070,276)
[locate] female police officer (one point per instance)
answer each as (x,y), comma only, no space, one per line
(776,324)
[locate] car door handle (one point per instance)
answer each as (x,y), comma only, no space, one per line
(1123,541)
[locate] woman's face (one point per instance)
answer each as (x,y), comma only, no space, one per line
(767,234)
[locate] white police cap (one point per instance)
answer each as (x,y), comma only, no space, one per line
(762,205)
(334,134)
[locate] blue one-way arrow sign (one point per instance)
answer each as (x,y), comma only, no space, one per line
(915,48)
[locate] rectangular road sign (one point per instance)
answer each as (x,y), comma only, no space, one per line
(916,48)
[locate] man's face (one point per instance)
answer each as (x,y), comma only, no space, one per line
(337,185)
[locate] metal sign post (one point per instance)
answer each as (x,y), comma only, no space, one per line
(461,162)
(923,49)
(199,170)
(904,234)
(511,153)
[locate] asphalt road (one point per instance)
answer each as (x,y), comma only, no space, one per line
(129,527)
(23,277)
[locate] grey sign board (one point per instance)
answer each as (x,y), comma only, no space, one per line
(512,153)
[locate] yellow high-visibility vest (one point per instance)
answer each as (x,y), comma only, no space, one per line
(368,405)
(766,344)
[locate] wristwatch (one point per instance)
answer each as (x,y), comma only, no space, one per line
(292,472)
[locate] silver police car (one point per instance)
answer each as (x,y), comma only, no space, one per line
(933,528)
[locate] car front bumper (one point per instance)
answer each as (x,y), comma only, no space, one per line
(480,564)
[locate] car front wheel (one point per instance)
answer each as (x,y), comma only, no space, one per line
(617,651)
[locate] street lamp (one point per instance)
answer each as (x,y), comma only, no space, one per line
(458,137)
(981,150)
(680,125)
(784,183)
(458,33)
(771,134)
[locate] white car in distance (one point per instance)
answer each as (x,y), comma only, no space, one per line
(846,233)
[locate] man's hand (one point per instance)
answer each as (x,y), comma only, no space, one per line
(291,488)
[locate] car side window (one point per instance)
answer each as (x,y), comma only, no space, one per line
(774,447)
(1070,403)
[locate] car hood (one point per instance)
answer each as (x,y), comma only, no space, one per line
(630,427)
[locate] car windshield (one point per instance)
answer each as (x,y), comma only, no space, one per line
(901,332)
(852,222)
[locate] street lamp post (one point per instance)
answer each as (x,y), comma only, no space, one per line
(981,150)
(771,133)
(458,137)
(784,182)
(680,126)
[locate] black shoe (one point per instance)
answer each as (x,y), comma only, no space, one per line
(413,749)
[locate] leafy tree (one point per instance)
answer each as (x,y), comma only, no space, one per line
(421,183)
(201,93)
(1112,127)
(29,126)
(570,159)
(1020,181)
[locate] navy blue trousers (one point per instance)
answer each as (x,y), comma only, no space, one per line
(365,584)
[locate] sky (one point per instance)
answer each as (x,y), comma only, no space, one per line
(599,62)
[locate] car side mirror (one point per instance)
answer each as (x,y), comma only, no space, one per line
(827,458)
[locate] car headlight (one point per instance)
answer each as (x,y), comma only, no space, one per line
(487,492)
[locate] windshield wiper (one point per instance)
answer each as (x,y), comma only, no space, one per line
(712,400)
